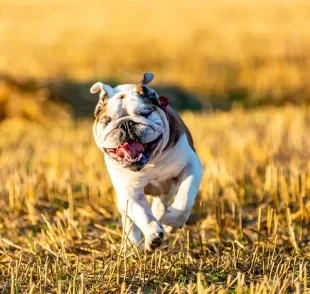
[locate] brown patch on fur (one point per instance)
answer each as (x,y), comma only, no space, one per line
(101,107)
(105,119)
(163,188)
(177,128)
(140,89)
(122,96)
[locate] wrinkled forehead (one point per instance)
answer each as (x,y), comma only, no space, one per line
(127,101)
(142,91)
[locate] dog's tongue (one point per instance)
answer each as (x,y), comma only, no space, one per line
(131,149)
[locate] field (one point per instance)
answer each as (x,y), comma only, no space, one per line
(249,231)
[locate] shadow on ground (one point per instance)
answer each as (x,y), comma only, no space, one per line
(82,102)
(30,98)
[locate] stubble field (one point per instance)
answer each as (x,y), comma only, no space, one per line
(248,233)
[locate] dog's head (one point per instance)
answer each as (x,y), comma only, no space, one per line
(131,125)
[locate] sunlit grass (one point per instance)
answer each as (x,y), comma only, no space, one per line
(60,231)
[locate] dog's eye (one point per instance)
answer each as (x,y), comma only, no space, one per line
(105,121)
(146,114)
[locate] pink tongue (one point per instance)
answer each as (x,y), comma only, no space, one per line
(131,148)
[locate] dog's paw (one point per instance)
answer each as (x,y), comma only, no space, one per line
(154,236)
(168,229)
(175,217)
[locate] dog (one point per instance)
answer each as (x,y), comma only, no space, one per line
(148,150)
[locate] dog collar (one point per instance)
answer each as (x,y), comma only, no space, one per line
(163,103)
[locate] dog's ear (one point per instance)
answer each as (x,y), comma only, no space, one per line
(147,78)
(105,91)
(140,87)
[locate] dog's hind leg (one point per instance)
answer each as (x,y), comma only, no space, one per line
(159,208)
(160,204)
(164,191)
(178,212)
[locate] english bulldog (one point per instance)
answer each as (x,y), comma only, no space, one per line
(148,150)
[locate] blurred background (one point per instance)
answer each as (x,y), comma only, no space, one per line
(210,54)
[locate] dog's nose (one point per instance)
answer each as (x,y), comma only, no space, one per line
(128,130)
(127,125)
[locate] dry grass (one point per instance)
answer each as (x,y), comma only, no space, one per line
(249,232)
(226,50)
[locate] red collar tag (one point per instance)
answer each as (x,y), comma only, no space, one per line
(164,102)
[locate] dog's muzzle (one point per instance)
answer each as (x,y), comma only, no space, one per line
(133,154)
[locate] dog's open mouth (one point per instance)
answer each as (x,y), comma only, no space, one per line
(133,151)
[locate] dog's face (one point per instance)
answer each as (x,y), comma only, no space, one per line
(130,127)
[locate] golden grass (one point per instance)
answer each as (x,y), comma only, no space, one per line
(221,49)
(249,231)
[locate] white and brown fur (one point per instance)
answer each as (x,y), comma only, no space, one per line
(172,176)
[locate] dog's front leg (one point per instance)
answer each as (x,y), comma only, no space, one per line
(132,202)
(189,180)
(132,231)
